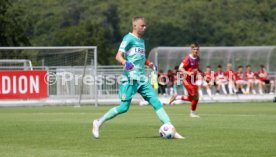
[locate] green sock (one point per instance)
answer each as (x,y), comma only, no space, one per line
(108,115)
(163,116)
(175,88)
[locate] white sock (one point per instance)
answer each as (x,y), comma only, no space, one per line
(253,91)
(209,92)
(101,120)
(178,97)
(171,91)
(223,89)
(234,88)
(261,91)
(185,92)
(230,89)
(247,89)
(200,92)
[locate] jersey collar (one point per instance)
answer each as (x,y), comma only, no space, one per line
(134,35)
(192,56)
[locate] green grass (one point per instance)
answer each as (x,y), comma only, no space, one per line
(224,130)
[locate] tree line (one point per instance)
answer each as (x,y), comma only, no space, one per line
(104,23)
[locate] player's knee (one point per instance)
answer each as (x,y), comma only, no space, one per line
(122,109)
(124,106)
(195,97)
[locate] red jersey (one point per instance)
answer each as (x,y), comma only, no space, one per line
(249,75)
(262,75)
(170,75)
(230,74)
(219,75)
(190,64)
(208,76)
(239,75)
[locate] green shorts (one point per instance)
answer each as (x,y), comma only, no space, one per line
(128,89)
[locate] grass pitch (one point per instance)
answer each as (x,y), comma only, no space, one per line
(224,130)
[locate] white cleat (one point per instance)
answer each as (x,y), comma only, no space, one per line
(95,129)
(194,115)
(178,136)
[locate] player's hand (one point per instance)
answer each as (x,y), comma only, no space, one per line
(129,66)
(190,73)
(154,67)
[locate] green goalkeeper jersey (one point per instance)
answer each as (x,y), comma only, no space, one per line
(134,52)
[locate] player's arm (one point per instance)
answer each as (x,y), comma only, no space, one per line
(151,65)
(182,70)
(124,46)
(265,73)
(119,57)
(201,72)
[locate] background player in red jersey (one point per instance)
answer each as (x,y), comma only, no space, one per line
(205,80)
(263,77)
(230,76)
(240,80)
(190,67)
(221,81)
(250,77)
(209,78)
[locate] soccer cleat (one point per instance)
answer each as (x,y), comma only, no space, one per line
(178,136)
(95,129)
(172,99)
(194,115)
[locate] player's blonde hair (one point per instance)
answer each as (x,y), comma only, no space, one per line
(135,18)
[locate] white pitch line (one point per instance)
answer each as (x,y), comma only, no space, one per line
(231,115)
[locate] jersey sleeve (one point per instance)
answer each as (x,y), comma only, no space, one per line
(185,62)
(124,46)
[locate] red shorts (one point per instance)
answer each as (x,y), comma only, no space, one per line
(191,88)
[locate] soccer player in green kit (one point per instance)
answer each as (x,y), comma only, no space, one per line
(131,54)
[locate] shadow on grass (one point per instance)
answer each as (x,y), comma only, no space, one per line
(149,137)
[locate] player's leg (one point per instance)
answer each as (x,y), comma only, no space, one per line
(200,84)
(248,87)
(175,88)
(126,92)
(238,87)
(181,97)
(230,87)
(223,84)
(260,87)
(234,87)
(208,90)
(193,92)
(150,95)
(271,86)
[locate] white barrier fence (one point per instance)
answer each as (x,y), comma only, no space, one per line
(68,86)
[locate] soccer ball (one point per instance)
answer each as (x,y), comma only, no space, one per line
(167,131)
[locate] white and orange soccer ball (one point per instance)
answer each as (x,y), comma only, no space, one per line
(167,131)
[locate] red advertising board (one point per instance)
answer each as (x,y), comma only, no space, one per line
(23,84)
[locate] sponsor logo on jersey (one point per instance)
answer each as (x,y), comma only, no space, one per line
(140,50)
(136,50)
(123,96)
